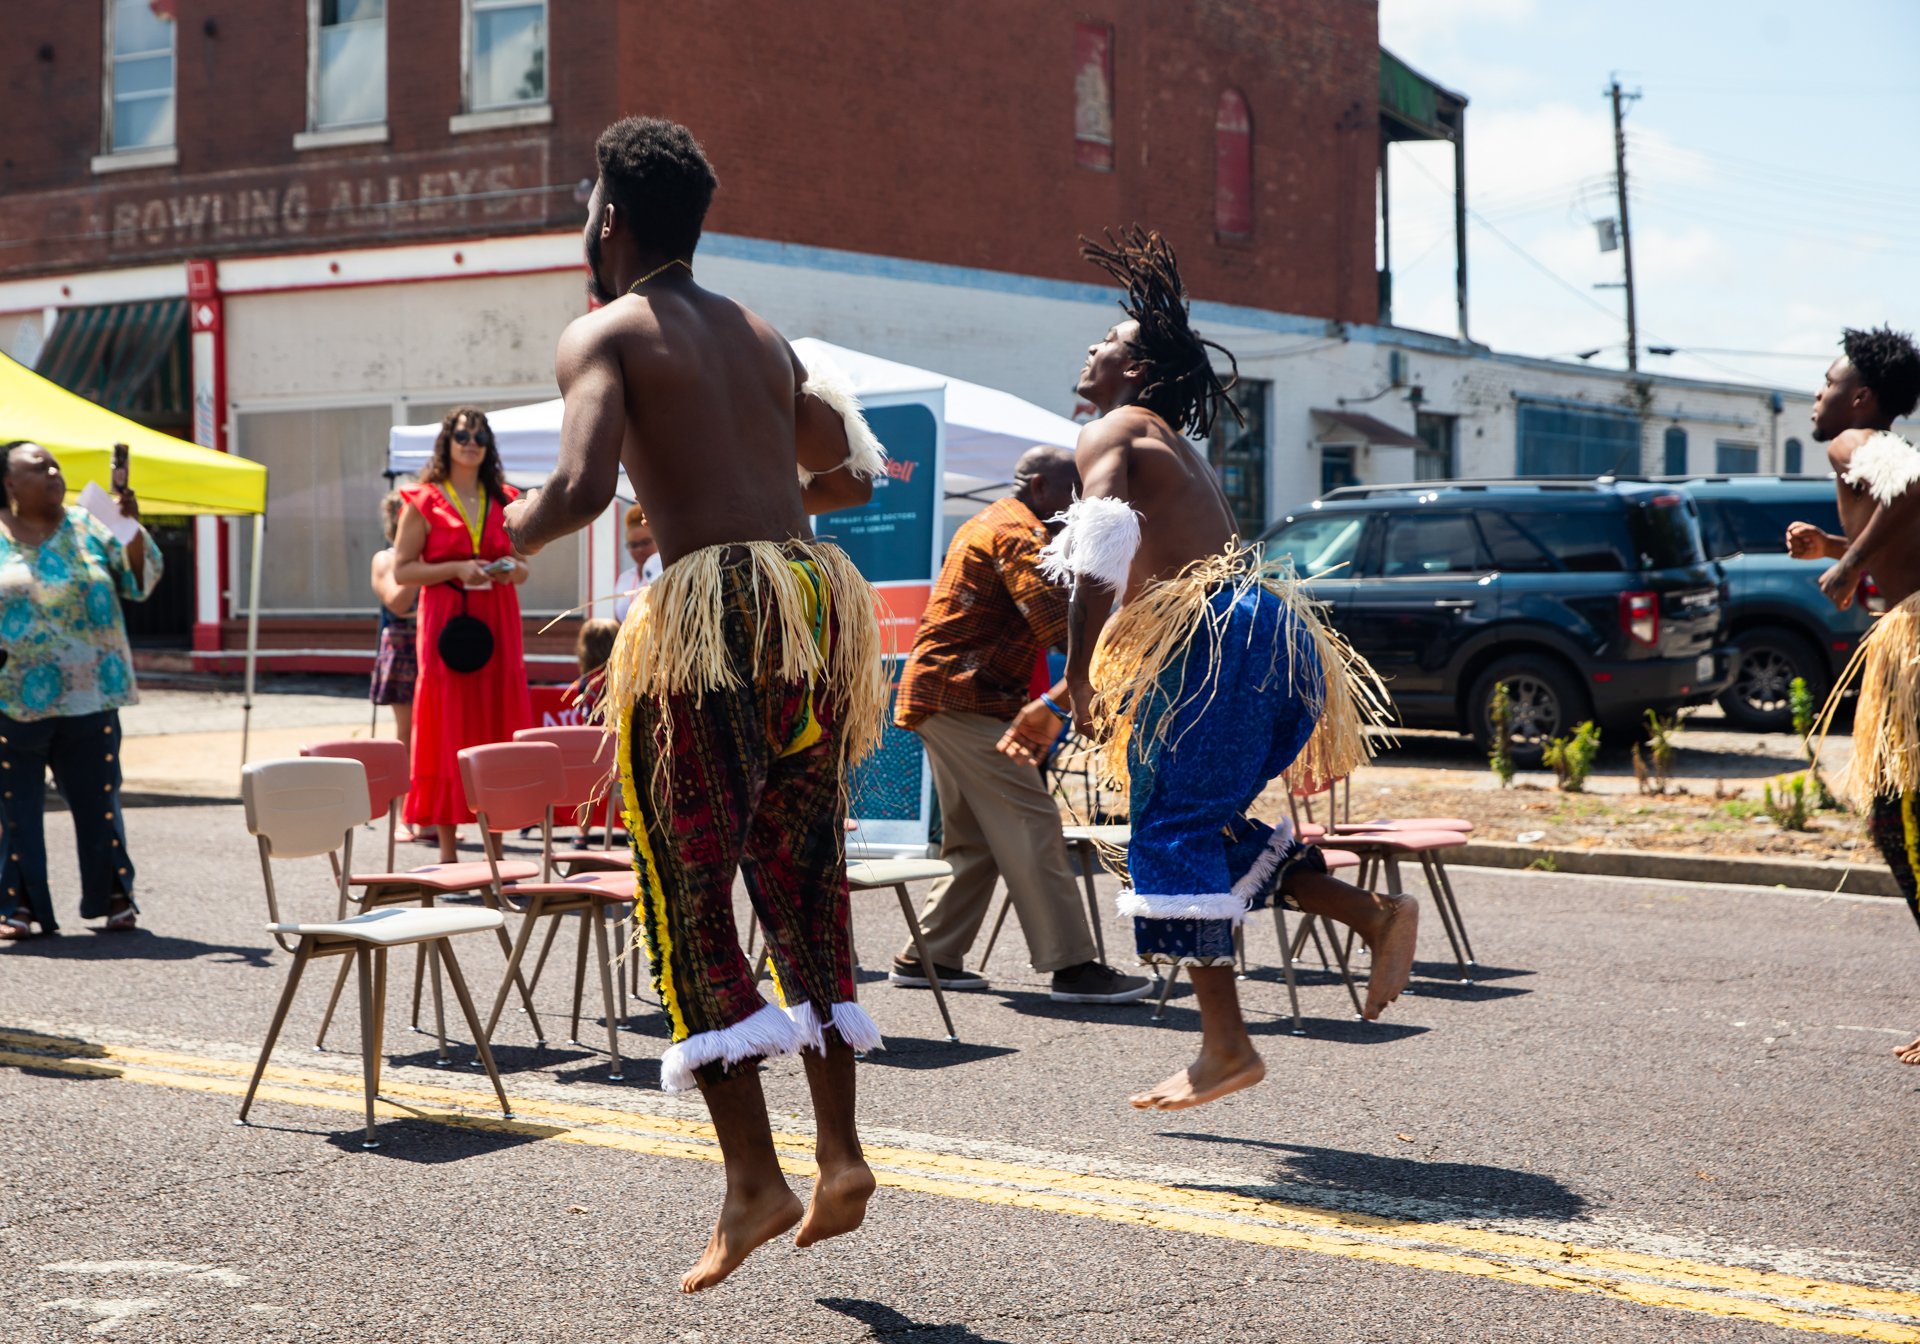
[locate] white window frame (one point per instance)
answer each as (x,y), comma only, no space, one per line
(473,118)
(112,159)
(317,136)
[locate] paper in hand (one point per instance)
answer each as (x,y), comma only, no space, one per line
(107,509)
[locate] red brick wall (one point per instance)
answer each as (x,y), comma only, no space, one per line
(930,131)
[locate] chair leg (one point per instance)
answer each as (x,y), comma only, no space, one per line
(540,962)
(379,1015)
(1319,947)
(432,954)
(1446,918)
(1445,892)
(1166,992)
(1286,965)
(333,1000)
(753,934)
(420,955)
(369,1046)
(300,960)
(579,973)
(515,953)
(1346,971)
(526,992)
(481,1044)
(1240,949)
(599,922)
(1089,861)
(1006,902)
(926,961)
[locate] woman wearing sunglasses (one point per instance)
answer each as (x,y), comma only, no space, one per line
(472,683)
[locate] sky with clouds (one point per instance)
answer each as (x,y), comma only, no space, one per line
(1773,161)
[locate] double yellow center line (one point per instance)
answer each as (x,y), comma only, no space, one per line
(1848,1310)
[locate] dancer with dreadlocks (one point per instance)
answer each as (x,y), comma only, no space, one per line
(1213,679)
(1873,383)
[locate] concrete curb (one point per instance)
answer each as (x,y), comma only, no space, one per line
(1866,878)
(153,798)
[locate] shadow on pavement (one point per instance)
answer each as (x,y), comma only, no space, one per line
(136,945)
(433,1144)
(922,1052)
(887,1323)
(1483,1190)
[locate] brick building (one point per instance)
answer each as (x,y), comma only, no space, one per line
(284,226)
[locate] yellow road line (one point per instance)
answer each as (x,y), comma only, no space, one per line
(1784,1300)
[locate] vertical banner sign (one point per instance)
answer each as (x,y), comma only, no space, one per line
(894,539)
(1093,96)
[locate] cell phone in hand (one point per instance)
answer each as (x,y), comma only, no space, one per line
(504,565)
(120,465)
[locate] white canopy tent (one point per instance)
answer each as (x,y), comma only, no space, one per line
(987,429)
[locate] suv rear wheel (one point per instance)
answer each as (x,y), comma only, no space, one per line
(1547,703)
(1769,659)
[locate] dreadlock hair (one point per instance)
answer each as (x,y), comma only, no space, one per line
(1888,365)
(1182,388)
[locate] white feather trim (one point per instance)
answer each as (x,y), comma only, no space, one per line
(1098,542)
(856,1028)
(865,456)
(1267,864)
(850,1020)
(1885,465)
(764,1035)
(1225,905)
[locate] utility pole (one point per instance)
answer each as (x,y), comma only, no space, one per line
(1626,230)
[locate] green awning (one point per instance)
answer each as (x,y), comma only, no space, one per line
(1415,107)
(132,358)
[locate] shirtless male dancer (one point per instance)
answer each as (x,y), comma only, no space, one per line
(745,677)
(1211,680)
(1872,384)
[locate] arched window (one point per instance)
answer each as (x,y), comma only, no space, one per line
(1233,167)
(1792,465)
(1676,451)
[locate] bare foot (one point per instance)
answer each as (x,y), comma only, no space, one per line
(1908,1054)
(1392,947)
(1204,1080)
(746,1222)
(838,1205)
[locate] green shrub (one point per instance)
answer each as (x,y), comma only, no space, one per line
(1793,806)
(1571,758)
(1501,757)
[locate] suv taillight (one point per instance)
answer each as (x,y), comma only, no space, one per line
(1640,617)
(1869,597)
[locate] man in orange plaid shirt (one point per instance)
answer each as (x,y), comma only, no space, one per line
(965,691)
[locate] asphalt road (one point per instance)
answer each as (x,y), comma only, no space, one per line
(1664,1112)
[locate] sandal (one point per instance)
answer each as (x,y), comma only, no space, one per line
(15,927)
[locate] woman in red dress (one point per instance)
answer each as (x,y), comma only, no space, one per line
(453,545)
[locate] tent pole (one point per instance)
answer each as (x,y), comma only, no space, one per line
(253,631)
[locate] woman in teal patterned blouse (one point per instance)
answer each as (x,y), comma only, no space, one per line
(68,670)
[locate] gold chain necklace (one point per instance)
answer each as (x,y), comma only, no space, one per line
(656,270)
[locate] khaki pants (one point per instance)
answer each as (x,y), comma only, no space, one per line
(998,822)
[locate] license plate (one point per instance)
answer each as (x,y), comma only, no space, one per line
(1703,667)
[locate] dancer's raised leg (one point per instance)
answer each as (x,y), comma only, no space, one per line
(845,1183)
(758,1205)
(1227,1063)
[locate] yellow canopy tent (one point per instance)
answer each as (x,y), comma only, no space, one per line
(169,476)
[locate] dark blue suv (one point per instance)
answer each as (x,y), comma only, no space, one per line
(1780,623)
(1588,599)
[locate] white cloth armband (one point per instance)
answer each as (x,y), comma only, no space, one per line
(1098,542)
(1884,467)
(865,456)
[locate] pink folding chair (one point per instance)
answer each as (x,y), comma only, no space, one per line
(514,785)
(388,769)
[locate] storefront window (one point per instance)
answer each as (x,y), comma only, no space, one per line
(506,54)
(349,63)
(1239,453)
(140,73)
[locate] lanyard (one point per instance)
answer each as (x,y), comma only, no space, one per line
(473,529)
